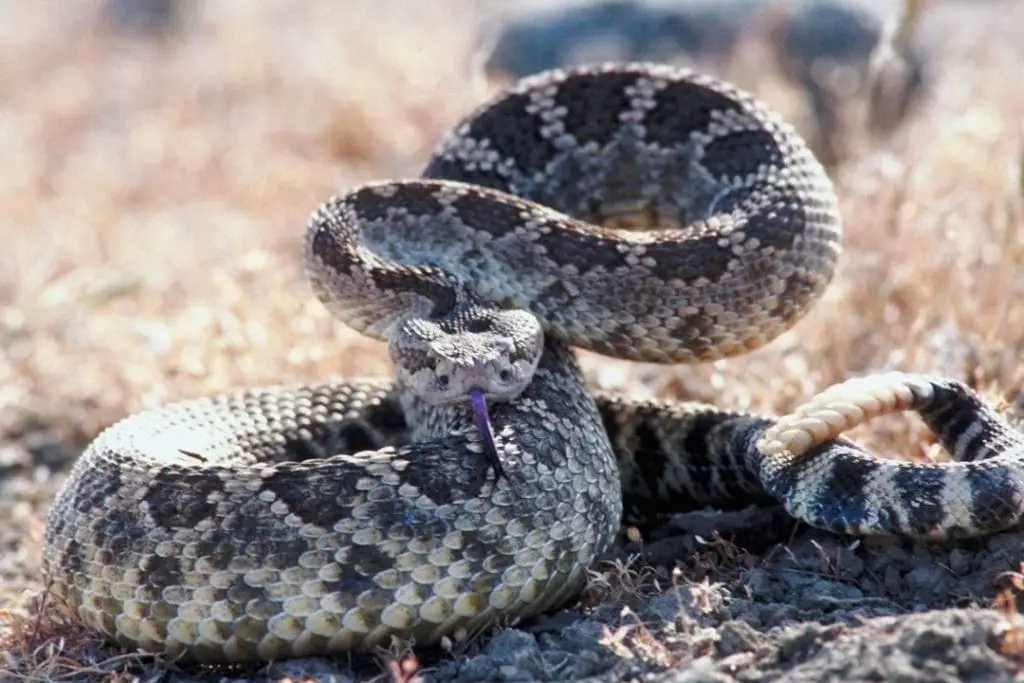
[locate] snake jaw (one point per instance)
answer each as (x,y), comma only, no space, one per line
(486,429)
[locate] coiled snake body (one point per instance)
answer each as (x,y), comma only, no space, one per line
(320,518)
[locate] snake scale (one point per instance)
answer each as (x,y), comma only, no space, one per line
(635,210)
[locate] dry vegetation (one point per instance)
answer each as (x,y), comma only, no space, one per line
(155,196)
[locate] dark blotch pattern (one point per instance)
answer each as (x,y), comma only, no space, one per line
(451,479)
(95,484)
(995,497)
(649,458)
(840,500)
(697,443)
(512,132)
(593,103)
(418,199)
(711,442)
(323,507)
(371,560)
(705,256)
(925,487)
(219,549)
(71,557)
(331,221)
(333,243)
(489,217)
(169,508)
(728,156)
(683,107)
(735,442)
(162,571)
(388,418)
(954,409)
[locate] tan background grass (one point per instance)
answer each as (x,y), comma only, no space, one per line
(155,195)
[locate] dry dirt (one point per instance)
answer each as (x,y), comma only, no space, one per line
(154,195)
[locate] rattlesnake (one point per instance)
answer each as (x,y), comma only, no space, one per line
(236,527)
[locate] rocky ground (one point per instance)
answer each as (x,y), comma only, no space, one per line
(155,190)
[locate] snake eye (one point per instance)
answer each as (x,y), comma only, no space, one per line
(443,380)
(504,375)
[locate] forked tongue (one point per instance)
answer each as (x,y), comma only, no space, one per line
(486,429)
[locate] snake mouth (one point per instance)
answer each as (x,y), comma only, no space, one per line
(485,428)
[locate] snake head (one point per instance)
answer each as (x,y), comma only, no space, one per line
(492,352)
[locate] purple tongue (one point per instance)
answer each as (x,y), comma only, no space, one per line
(483,424)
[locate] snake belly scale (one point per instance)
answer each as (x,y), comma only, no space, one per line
(635,210)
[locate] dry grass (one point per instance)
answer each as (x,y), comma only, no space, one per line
(155,197)
(42,644)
